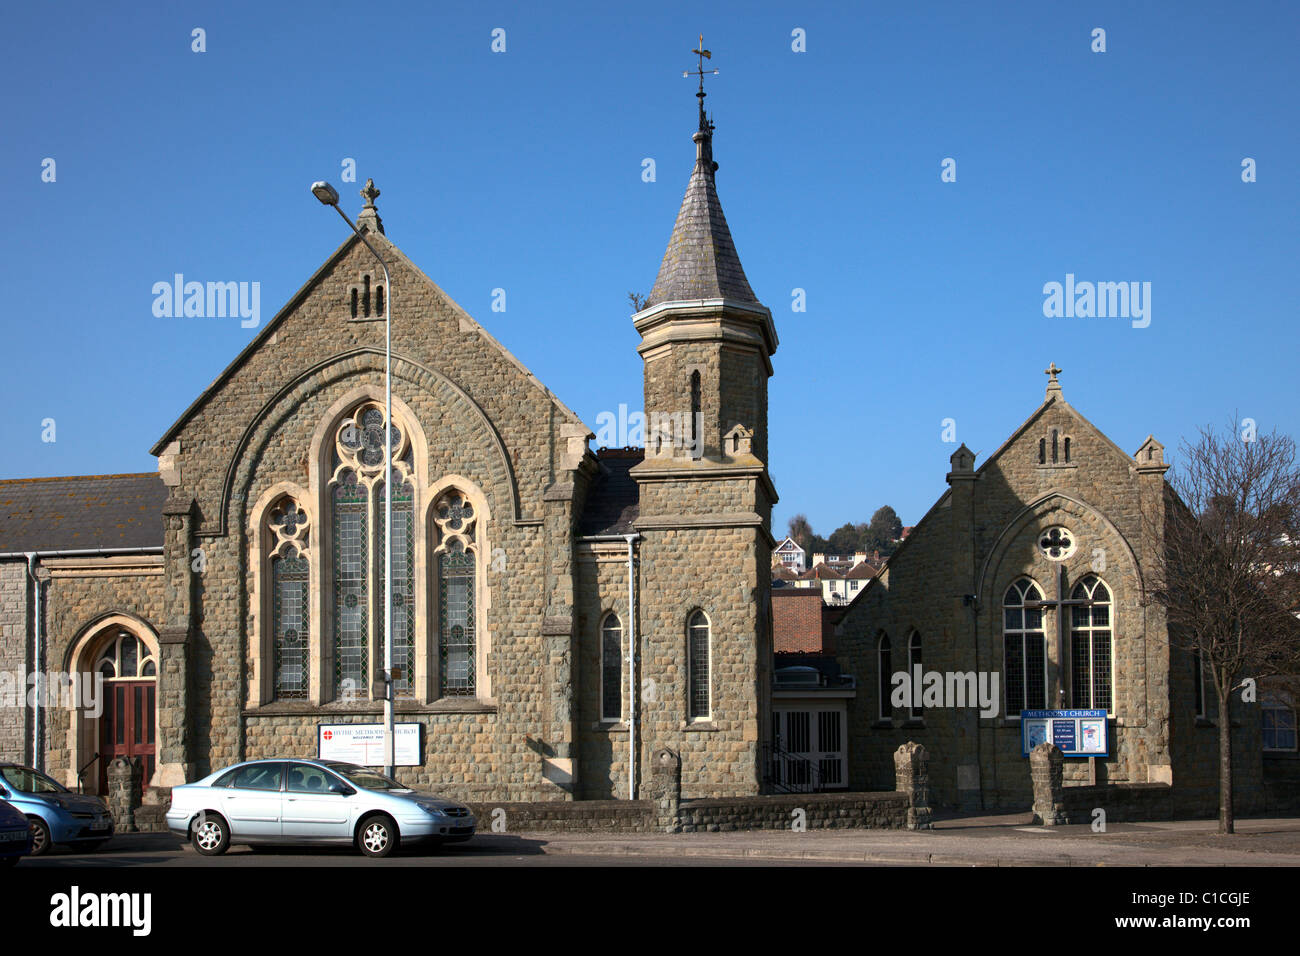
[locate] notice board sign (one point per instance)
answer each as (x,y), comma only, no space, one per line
(1078,733)
(363,744)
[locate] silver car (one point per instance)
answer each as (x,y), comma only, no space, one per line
(311,802)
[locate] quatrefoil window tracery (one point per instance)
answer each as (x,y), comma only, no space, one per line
(1056,543)
(359,448)
(455,517)
(289,529)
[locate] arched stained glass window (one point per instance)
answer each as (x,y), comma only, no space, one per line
(611,669)
(1090,645)
(351,553)
(457,584)
(698,661)
(290,619)
(403,546)
(1025,647)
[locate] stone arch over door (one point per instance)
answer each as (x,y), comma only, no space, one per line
(85,725)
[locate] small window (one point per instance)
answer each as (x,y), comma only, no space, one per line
(611,669)
(1279,719)
(698,661)
(915,711)
(885,670)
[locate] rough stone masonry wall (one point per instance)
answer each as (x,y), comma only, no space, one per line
(15,654)
(73,601)
(682,571)
(820,811)
(923,588)
(602,745)
(257,430)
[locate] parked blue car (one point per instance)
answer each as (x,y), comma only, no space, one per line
(57,815)
(15,834)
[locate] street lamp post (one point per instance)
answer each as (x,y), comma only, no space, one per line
(330,197)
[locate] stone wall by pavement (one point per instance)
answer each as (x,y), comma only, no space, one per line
(821,811)
(15,654)
(1123,803)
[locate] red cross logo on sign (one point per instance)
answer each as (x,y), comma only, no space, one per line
(328,734)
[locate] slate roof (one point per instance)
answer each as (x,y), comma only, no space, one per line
(82,512)
(701,260)
(614,501)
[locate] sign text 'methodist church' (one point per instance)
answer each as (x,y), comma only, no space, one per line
(233,602)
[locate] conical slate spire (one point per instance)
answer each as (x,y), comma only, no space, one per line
(701,260)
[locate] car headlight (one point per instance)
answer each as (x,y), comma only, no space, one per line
(59,802)
(432,811)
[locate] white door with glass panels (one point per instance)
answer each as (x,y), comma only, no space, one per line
(812,742)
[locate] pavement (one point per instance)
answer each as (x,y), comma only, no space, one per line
(999,840)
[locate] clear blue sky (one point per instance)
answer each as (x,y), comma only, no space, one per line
(522,171)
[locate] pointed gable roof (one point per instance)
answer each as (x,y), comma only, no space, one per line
(701,260)
(368,222)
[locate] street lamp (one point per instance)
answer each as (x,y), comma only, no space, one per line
(330,197)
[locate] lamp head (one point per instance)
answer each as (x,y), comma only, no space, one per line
(325,193)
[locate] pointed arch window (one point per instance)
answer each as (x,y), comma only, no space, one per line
(290,611)
(915,712)
(885,675)
(456,563)
(126,657)
(1090,645)
(611,669)
(698,664)
(1025,648)
(356,535)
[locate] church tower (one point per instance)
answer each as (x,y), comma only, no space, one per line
(706,497)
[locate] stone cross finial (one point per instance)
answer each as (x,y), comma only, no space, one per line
(370,194)
(1052,384)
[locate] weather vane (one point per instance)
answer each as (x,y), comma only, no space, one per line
(701,72)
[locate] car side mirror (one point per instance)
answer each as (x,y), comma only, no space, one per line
(338,786)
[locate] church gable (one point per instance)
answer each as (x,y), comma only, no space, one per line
(331,336)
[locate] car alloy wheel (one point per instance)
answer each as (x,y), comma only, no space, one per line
(210,835)
(40,836)
(378,837)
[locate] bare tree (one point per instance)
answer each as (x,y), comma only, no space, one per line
(1224,567)
(800,531)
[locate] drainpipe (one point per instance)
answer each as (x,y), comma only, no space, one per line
(631,666)
(631,650)
(37,757)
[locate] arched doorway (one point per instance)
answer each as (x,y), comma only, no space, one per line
(121,654)
(128,724)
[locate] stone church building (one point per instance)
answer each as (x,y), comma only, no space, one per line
(234,601)
(561,614)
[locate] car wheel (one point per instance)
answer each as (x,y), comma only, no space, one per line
(377,836)
(210,835)
(40,836)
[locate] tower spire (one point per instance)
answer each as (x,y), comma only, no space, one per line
(701,260)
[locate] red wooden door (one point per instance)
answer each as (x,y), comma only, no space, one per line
(127,727)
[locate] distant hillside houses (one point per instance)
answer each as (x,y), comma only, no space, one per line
(840,576)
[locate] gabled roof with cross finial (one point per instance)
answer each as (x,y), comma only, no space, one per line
(701,260)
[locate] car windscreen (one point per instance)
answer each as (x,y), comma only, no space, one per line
(366,779)
(29,781)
